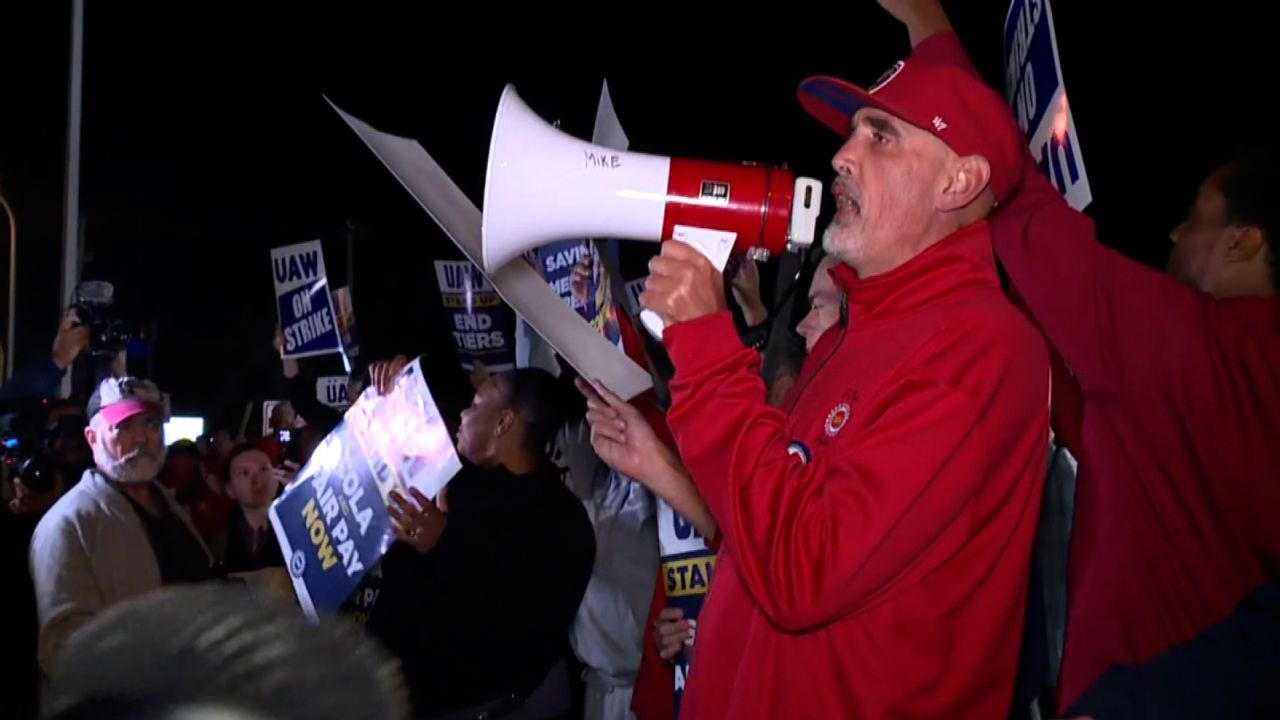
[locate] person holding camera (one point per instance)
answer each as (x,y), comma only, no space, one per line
(44,452)
(117,534)
(40,378)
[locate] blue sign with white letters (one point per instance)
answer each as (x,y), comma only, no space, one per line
(687,566)
(305,306)
(482,324)
(332,523)
(590,299)
(1038,97)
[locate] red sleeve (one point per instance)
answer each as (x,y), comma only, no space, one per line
(1066,415)
(1104,313)
(816,541)
(1113,320)
(943,48)
(647,402)
(632,343)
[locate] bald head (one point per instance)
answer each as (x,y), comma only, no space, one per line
(824,304)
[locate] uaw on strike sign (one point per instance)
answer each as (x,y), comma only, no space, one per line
(1033,85)
(687,564)
(306,311)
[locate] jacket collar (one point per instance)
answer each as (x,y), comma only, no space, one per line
(962,259)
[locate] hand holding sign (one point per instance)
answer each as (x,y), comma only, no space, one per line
(580,279)
(672,632)
(336,519)
(382,375)
(418,523)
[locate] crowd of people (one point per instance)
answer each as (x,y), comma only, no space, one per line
(892,526)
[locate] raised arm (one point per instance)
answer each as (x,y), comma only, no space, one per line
(923,18)
(1108,316)
(628,442)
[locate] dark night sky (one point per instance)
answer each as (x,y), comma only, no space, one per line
(206,141)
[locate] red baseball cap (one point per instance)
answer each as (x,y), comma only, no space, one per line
(945,100)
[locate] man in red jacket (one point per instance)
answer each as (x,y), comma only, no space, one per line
(876,533)
(1172,606)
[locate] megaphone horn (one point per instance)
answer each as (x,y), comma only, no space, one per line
(543,185)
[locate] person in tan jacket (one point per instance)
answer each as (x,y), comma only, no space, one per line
(116,534)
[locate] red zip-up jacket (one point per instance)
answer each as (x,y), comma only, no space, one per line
(875,538)
(1179,484)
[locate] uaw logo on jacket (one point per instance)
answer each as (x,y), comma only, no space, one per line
(838,417)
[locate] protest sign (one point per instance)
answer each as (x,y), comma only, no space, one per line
(303,301)
(331,391)
(346,317)
(687,564)
(1034,87)
(332,520)
(483,327)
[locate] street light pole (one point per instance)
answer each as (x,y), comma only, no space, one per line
(71,194)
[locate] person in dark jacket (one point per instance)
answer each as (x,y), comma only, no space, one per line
(478,594)
(248,542)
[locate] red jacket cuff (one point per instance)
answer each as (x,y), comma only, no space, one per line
(943,48)
(701,342)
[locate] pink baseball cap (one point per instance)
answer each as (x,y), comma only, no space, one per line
(119,399)
(946,101)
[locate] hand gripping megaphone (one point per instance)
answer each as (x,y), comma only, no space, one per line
(543,185)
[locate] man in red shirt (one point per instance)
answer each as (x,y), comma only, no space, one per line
(876,533)
(1179,443)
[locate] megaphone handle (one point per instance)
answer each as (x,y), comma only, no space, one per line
(715,245)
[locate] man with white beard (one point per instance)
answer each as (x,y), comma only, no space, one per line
(117,533)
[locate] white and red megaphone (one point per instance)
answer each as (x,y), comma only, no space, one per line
(544,185)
